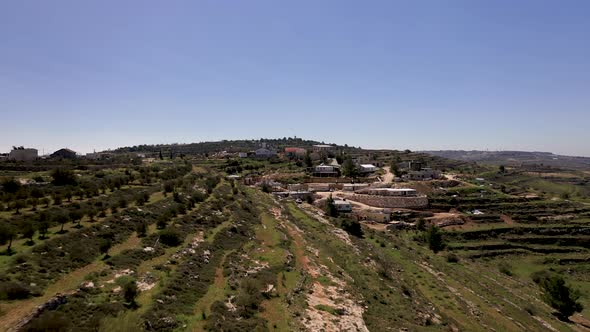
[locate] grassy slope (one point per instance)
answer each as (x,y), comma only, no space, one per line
(467,295)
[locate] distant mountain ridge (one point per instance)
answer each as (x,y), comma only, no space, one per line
(515,158)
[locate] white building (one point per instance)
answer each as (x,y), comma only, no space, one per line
(343,206)
(424,174)
(367,168)
(326,170)
(322,148)
(354,186)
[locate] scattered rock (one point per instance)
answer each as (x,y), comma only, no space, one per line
(87,285)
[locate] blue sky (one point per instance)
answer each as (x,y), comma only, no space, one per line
(498,75)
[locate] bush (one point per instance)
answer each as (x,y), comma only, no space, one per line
(452,258)
(10,290)
(540,275)
(266,188)
(11,186)
(435,239)
(352,227)
(63,177)
(141,229)
(53,321)
(105,246)
(505,268)
(560,296)
(161,223)
(130,292)
(170,237)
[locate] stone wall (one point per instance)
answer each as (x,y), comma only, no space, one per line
(390,201)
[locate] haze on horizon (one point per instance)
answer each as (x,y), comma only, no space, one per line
(428,75)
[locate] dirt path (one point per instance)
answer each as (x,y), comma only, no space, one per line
(388,176)
(324,299)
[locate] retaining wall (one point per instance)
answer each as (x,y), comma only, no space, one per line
(390,201)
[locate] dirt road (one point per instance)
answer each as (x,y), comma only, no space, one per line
(388,176)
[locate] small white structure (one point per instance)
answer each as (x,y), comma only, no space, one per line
(326,170)
(367,168)
(22,154)
(343,206)
(354,186)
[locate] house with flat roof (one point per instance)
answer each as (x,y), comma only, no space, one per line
(382,216)
(326,170)
(367,168)
(322,148)
(343,206)
(22,154)
(264,153)
(354,186)
(424,174)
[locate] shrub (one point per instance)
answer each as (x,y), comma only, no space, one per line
(452,258)
(421,224)
(266,188)
(11,186)
(105,246)
(352,227)
(331,209)
(130,292)
(540,275)
(560,296)
(141,229)
(505,268)
(10,290)
(161,223)
(530,309)
(170,237)
(435,239)
(49,321)
(63,177)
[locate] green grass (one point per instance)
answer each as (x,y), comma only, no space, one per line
(327,308)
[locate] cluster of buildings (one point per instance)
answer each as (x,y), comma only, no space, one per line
(20,153)
(266,152)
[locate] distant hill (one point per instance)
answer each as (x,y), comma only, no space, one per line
(515,158)
(224,145)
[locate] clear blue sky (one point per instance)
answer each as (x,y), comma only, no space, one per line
(470,74)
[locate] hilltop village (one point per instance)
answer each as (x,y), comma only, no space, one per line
(360,187)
